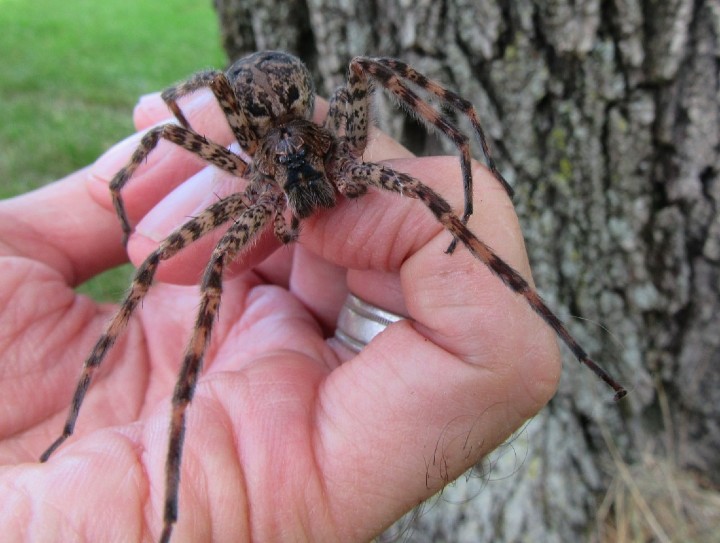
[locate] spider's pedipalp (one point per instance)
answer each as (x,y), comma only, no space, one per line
(208,220)
(245,228)
(388,179)
(337,115)
(184,137)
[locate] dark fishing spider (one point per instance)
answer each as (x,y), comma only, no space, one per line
(268,100)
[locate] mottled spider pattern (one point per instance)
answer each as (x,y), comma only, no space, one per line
(296,168)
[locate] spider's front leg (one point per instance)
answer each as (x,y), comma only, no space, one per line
(246,227)
(186,138)
(221,88)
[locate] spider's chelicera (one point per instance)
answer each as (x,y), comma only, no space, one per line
(299,166)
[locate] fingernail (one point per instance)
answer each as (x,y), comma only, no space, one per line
(110,162)
(150,98)
(149,110)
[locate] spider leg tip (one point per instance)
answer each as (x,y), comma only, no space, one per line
(44,457)
(451,248)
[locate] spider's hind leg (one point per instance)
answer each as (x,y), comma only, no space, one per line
(245,228)
(208,220)
(393,75)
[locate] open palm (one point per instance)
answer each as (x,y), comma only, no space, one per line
(289,436)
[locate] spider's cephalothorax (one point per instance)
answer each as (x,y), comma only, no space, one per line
(294,156)
(295,164)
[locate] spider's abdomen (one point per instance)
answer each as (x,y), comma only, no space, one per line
(273,87)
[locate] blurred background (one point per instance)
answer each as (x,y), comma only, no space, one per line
(70,75)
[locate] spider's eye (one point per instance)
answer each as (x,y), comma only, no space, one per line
(293,158)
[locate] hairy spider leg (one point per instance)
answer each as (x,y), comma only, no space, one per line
(337,115)
(388,179)
(454,100)
(212,217)
(213,153)
(349,112)
(391,76)
(245,228)
(220,86)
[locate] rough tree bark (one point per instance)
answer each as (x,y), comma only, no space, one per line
(605,116)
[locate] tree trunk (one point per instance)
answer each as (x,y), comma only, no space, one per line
(605,117)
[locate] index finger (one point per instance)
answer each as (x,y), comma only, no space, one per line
(62,225)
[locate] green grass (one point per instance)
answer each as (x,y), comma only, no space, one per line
(71,72)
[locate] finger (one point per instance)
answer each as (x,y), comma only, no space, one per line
(71,225)
(171,187)
(168,165)
(181,205)
(455,300)
(320,285)
(63,226)
(383,234)
(150,110)
(476,361)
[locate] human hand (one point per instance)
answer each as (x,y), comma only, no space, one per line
(289,436)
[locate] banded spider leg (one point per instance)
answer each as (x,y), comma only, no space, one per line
(348,116)
(393,75)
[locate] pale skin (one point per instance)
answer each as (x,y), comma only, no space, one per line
(290,437)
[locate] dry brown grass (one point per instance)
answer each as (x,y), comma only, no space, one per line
(655,501)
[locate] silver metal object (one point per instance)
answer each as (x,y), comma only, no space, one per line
(359,322)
